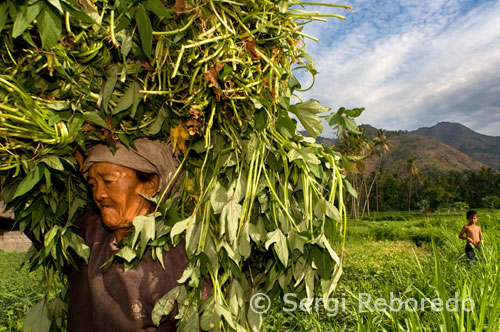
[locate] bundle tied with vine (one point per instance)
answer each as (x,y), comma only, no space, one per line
(261,207)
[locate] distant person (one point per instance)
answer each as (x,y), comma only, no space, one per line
(473,235)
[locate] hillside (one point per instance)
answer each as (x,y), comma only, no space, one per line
(483,148)
(431,155)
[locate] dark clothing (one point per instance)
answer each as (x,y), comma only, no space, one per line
(470,252)
(102,297)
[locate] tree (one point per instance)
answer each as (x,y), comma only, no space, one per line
(413,174)
(380,148)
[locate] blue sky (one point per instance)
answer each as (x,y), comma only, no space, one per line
(410,63)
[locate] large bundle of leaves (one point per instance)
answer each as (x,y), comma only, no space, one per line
(261,206)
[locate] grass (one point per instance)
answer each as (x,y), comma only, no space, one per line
(19,290)
(400,255)
(411,256)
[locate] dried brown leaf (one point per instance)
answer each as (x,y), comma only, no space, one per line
(180,6)
(250,45)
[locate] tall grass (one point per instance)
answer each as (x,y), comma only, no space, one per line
(19,291)
(415,257)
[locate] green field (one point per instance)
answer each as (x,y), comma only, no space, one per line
(389,253)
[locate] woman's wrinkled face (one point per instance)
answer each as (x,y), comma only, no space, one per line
(115,190)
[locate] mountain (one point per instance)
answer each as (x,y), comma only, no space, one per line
(431,155)
(483,148)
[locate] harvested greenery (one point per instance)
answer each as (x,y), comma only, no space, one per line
(261,206)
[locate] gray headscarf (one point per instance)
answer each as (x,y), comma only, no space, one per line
(150,157)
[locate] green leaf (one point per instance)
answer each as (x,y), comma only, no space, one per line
(329,285)
(257,103)
(331,211)
(157,7)
(241,184)
(38,319)
(254,320)
(333,119)
(326,244)
(50,26)
(127,254)
(78,244)
(80,15)
(218,198)
(308,154)
(57,5)
(95,118)
(273,162)
(181,226)
(293,83)
(261,120)
(144,226)
(209,319)
(280,247)
(53,162)
(229,218)
(222,311)
(349,188)
(158,124)
(164,305)
(25,17)
(190,320)
(323,262)
(131,97)
(3,15)
(306,112)
(355,112)
(297,242)
(29,181)
(108,86)
(126,41)
(145,29)
(351,126)
(283,6)
(76,123)
(50,235)
(286,126)
(244,248)
(236,296)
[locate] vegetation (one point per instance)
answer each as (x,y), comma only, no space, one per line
(382,257)
(383,171)
(391,252)
(259,202)
(19,291)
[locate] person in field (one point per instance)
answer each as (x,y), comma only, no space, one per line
(473,235)
(102,296)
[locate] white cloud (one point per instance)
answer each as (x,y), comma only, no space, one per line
(413,63)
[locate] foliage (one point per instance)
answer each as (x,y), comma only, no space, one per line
(261,206)
(440,191)
(378,267)
(492,202)
(19,290)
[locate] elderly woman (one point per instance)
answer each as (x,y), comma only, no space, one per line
(104,297)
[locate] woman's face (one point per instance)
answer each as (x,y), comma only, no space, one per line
(115,190)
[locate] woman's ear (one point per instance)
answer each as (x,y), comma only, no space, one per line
(152,186)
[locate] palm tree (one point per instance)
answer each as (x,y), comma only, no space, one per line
(379,149)
(413,173)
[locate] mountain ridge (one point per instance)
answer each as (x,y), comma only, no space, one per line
(483,148)
(443,147)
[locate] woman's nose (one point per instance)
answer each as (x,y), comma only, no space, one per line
(100,192)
